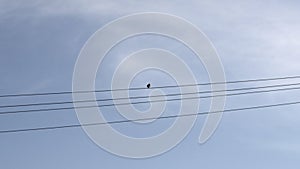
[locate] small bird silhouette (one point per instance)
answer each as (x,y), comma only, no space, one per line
(148,85)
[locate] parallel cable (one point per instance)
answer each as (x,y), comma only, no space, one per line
(142,102)
(143,88)
(144,97)
(143,119)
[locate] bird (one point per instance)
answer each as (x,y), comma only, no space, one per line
(148,85)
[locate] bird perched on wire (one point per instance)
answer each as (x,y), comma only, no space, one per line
(148,85)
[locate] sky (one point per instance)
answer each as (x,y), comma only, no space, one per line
(41,40)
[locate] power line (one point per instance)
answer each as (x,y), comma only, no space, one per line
(143,88)
(144,97)
(143,119)
(142,102)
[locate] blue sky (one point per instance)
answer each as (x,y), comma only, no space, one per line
(40,42)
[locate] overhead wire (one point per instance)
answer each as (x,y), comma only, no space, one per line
(149,101)
(142,102)
(143,119)
(143,88)
(144,97)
